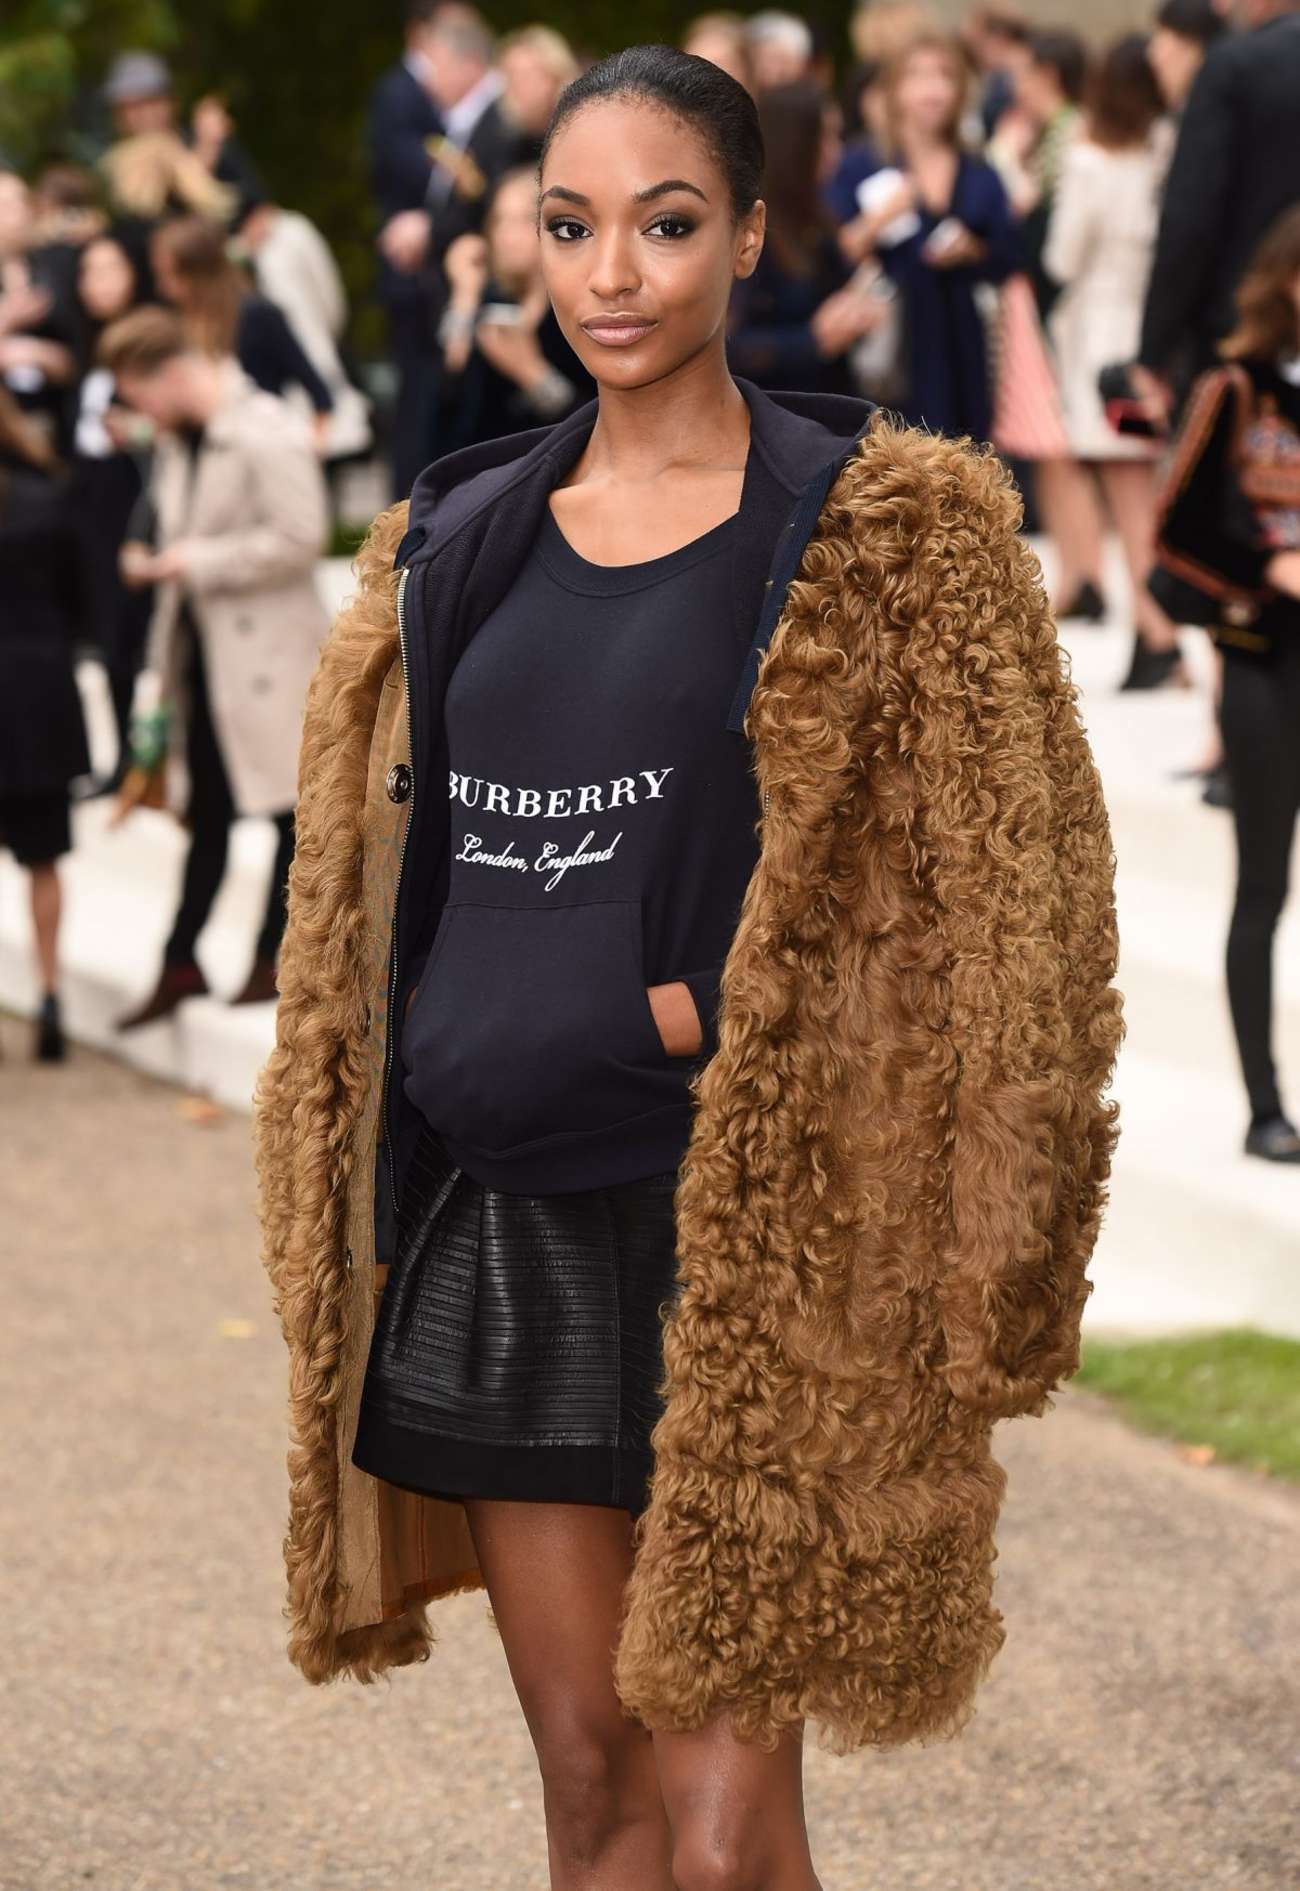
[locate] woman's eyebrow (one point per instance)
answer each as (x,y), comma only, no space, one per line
(640,197)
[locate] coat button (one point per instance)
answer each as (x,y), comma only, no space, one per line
(399,782)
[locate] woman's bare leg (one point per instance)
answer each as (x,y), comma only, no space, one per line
(47,906)
(1130,488)
(736,1812)
(555,1575)
(1071,516)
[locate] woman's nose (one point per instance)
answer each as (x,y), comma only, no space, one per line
(614,270)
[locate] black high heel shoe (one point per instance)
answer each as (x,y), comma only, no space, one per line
(1276,1139)
(1217,792)
(1154,669)
(1087,603)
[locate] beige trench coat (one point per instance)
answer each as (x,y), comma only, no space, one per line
(898,1158)
(253,518)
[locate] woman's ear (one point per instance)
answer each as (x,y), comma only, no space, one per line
(749,246)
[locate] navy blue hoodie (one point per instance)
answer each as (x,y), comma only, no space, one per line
(474,518)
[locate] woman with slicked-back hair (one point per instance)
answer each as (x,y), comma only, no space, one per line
(686,1134)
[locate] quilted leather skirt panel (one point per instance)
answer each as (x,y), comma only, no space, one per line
(517,1344)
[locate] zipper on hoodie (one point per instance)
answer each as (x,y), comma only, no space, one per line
(403,575)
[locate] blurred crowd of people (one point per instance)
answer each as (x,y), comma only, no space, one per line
(1002,232)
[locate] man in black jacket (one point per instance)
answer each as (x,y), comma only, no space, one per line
(482,141)
(403,125)
(1235,169)
(458,165)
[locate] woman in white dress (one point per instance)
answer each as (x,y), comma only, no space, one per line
(1099,247)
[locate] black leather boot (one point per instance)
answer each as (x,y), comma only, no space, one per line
(175,984)
(1275,1138)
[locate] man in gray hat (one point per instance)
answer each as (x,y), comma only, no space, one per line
(140,90)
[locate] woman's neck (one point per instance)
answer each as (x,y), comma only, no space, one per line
(695,417)
(921,147)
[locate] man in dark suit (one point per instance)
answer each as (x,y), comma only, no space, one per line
(481,142)
(1236,167)
(404,122)
(440,181)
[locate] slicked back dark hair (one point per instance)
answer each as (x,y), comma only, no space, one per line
(716,107)
(1198,20)
(1065,54)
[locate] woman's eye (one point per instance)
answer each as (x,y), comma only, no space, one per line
(671,225)
(562,227)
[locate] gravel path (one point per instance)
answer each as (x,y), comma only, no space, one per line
(1140,1728)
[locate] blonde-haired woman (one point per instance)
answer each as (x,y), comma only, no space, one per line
(938,219)
(535,63)
(721,38)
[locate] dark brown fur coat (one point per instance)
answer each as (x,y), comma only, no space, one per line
(899,1154)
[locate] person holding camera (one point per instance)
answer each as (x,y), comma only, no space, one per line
(505,363)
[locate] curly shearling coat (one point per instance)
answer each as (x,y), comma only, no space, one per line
(899,1153)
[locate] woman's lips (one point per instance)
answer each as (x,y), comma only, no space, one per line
(618,334)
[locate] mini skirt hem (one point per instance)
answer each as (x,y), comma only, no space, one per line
(443,1466)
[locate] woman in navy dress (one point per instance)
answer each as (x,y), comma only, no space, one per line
(939,221)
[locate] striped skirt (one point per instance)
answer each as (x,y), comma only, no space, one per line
(517,1344)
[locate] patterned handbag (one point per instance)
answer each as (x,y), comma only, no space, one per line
(1230,490)
(1268,469)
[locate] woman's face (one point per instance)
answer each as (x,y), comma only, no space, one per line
(512,229)
(105,280)
(720,47)
(636,223)
(1036,87)
(15,215)
(169,280)
(1175,62)
(1295,303)
(531,88)
(926,96)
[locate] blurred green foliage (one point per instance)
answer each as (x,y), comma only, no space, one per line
(296,74)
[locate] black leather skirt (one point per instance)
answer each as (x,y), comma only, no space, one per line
(517,1343)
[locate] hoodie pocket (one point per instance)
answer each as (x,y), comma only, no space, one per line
(532,1022)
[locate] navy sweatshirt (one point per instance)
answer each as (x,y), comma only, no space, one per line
(602,829)
(474,517)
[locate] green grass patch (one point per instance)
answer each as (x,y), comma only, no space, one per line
(345,539)
(1237,1391)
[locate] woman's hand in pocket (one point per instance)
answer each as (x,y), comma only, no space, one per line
(676,1016)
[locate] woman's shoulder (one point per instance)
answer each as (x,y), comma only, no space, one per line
(950,486)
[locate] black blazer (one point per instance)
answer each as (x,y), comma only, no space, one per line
(1236,167)
(495,145)
(401,119)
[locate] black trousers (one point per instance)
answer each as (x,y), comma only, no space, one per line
(1260,719)
(211,812)
(415,352)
